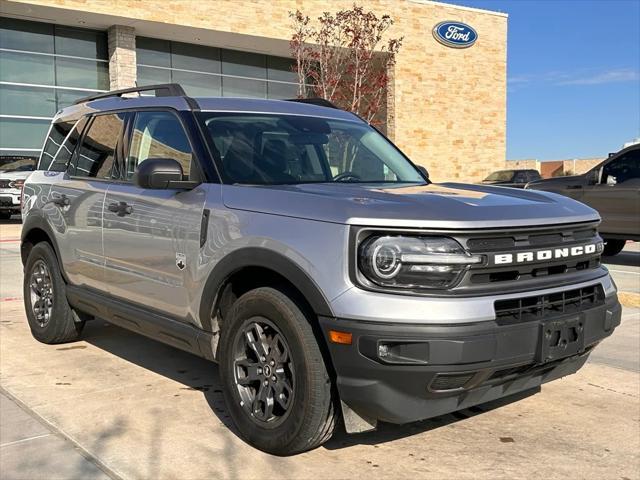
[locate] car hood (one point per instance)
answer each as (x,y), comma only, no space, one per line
(445,205)
(15,174)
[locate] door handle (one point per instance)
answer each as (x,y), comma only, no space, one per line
(61,201)
(120,208)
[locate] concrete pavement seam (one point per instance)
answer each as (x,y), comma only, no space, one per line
(56,431)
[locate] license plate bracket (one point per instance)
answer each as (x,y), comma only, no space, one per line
(560,339)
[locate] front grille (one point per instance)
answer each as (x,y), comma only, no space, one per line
(539,307)
(528,275)
(450,381)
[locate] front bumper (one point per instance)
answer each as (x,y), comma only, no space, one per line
(456,366)
(10,200)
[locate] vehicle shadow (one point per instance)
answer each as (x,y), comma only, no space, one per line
(15,220)
(201,375)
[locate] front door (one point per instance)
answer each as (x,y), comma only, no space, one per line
(152,237)
(616,196)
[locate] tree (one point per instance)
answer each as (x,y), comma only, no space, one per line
(344,58)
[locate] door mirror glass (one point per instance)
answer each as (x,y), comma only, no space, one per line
(593,176)
(158,173)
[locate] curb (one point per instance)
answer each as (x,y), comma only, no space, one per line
(629,299)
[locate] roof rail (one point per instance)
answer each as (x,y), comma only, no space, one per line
(321,102)
(160,90)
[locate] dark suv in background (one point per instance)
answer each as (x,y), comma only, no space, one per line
(613,189)
(512,178)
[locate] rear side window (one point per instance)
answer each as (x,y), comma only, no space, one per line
(57,134)
(158,135)
(61,159)
(96,155)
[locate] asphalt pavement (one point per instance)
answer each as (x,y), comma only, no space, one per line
(118,405)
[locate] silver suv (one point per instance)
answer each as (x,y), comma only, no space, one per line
(299,248)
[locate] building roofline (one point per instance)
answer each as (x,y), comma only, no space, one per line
(460,7)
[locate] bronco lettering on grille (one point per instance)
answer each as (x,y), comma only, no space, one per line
(550,254)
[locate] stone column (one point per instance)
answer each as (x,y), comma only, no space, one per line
(122,57)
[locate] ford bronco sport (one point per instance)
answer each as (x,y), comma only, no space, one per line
(299,248)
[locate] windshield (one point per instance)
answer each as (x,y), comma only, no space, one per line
(501,176)
(270,149)
(17,164)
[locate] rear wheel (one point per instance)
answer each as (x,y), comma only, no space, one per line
(277,388)
(50,317)
(612,247)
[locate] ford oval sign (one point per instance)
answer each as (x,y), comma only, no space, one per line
(455,34)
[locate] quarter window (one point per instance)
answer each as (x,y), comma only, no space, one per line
(97,154)
(158,135)
(60,145)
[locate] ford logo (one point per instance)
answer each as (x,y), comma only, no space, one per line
(455,34)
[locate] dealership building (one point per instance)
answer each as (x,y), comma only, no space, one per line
(445,106)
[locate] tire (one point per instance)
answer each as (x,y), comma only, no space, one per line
(53,320)
(612,247)
(303,410)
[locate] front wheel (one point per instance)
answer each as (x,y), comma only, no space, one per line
(276,385)
(612,247)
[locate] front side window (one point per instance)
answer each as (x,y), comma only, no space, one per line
(270,149)
(622,169)
(96,155)
(158,135)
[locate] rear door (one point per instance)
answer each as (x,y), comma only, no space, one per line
(77,196)
(152,237)
(617,195)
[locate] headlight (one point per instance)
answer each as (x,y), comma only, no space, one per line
(414,262)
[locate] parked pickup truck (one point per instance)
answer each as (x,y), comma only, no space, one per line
(13,173)
(512,178)
(613,189)
(296,246)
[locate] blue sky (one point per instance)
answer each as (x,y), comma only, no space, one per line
(573,73)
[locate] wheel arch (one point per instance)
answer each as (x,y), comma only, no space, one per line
(271,266)
(35,229)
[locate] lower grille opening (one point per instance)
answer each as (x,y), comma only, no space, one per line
(542,306)
(450,381)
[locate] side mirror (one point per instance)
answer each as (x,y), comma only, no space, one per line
(424,172)
(160,173)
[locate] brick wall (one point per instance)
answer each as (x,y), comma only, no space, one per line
(448,110)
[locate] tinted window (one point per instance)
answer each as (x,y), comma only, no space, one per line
(622,169)
(520,177)
(276,149)
(57,153)
(158,135)
(96,156)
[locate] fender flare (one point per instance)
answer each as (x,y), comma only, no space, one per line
(269,259)
(33,222)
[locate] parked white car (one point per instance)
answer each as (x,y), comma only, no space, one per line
(13,174)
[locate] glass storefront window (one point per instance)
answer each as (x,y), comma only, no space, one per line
(80,43)
(20,133)
(23,35)
(71,72)
(210,71)
(26,68)
(27,101)
(39,62)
